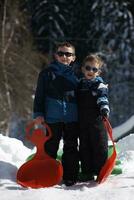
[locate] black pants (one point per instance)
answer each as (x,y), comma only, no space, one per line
(93,146)
(70,157)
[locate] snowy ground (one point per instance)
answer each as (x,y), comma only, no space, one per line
(123,128)
(13,154)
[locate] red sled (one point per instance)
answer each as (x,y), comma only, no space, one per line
(109,165)
(42,170)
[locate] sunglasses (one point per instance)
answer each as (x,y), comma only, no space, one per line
(67,54)
(89,68)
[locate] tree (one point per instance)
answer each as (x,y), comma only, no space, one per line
(97,25)
(49,21)
(114,29)
(20,64)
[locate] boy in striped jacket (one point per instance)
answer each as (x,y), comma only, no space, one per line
(93,104)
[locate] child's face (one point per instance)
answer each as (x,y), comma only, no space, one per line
(65,55)
(91,70)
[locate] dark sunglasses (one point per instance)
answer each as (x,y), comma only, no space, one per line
(67,54)
(89,68)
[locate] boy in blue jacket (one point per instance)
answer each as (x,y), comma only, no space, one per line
(93,104)
(55,102)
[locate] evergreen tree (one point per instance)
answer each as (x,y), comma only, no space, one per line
(97,25)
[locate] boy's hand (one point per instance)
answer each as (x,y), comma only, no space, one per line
(104,112)
(39,120)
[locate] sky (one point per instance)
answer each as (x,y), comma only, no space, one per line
(13,154)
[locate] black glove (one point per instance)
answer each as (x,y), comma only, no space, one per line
(104,112)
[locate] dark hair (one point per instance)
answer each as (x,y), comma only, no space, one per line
(93,58)
(64,44)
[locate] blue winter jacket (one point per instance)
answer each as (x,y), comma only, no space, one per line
(55,96)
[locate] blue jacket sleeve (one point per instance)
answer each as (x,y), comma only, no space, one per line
(39,99)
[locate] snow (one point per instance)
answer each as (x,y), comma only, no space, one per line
(13,154)
(123,128)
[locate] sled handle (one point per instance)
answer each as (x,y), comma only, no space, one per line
(110,162)
(108,128)
(44,128)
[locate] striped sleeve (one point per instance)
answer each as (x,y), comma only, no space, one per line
(102,96)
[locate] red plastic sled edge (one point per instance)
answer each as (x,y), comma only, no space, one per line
(109,165)
(42,170)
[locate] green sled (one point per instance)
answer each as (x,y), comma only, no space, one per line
(117,169)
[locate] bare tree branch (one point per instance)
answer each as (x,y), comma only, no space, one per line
(3,56)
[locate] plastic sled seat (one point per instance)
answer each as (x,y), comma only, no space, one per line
(39,173)
(110,162)
(41,170)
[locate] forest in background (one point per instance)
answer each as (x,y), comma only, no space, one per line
(31,28)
